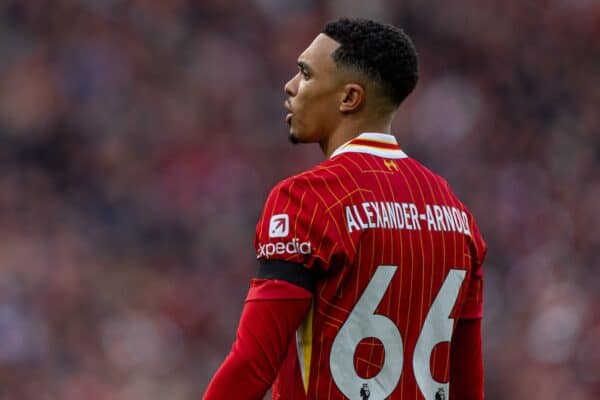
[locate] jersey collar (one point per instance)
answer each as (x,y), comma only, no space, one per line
(377,144)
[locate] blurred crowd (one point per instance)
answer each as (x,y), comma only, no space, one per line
(140,138)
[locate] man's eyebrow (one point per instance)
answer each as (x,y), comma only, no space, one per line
(304,66)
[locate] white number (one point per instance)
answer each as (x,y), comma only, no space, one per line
(436,329)
(363,323)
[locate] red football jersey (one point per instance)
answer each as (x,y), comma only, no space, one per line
(398,258)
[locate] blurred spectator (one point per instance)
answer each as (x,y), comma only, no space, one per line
(140,139)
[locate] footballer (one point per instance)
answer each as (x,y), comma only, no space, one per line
(369,281)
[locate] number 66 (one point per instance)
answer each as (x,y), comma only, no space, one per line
(363,323)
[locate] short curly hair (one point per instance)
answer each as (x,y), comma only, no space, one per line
(382,52)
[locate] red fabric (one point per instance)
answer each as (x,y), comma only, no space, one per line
(466,361)
(473,305)
(345,219)
(271,315)
(275,289)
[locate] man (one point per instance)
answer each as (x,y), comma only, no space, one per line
(369,283)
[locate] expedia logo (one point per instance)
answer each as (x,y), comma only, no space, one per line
(294,247)
(279,226)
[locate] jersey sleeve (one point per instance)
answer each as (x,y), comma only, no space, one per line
(264,333)
(296,227)
(473,306)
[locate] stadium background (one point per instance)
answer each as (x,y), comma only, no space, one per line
(139,140)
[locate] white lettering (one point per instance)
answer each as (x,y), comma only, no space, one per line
(457,220)
(293,247)
(400,222)
(414,214)
(290,247)
(378,222)
(305,248)
(384,216)
(467,228)
(360,221)
(392,215)
(439,217)
(430,220)
(350,222)
(448,218)
(369,215)
(406,215)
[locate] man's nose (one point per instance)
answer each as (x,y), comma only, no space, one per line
(290,87)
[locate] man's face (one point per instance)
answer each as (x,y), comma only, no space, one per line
(314,93)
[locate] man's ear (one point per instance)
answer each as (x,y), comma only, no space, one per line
(353,98)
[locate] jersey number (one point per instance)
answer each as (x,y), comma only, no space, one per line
(363,323)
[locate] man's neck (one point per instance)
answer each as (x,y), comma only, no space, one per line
(348,131)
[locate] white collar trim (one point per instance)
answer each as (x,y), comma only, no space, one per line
(350,147)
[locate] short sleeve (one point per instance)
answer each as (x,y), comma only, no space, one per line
(295,227)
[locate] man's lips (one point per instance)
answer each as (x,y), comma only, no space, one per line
(288,117)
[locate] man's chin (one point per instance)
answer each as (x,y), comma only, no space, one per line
(293,138)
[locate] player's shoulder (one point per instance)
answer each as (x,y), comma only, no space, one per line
(328,175)
(291,190)
(427,173)
(292,184)
(444,185)
(438,181)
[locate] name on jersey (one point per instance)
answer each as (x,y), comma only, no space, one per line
(295,246)
(393,215)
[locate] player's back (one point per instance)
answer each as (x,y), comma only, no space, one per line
(403,264)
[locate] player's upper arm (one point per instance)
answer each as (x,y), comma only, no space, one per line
(466,361)
(473,305)
(295,227)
